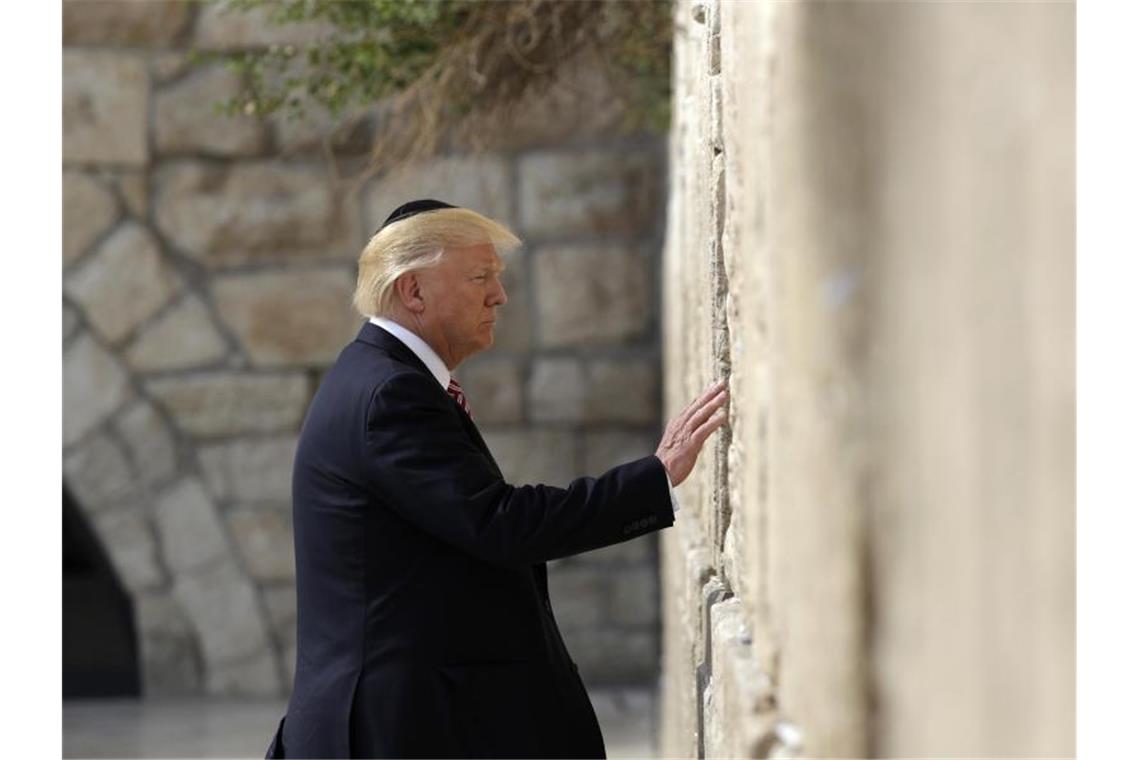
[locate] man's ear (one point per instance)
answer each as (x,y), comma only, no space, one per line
(408,290)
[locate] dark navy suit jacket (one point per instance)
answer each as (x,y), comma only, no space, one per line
(424,625)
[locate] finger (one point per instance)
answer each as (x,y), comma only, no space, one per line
(709,393)
(713,422)
(704,412)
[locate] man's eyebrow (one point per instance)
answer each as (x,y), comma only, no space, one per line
(497,267)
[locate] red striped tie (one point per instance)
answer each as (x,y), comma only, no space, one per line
(455,390)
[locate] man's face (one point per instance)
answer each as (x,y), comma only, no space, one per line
(461,296)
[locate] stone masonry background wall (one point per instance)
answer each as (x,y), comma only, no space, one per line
(208,265)
(871,232)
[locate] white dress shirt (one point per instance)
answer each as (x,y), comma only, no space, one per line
(439,370)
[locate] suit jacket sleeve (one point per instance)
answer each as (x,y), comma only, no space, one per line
(423,464)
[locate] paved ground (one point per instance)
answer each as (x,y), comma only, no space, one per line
(215,728)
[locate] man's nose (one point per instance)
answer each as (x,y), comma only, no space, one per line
(500,295)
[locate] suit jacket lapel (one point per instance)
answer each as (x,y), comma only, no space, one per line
(379,337)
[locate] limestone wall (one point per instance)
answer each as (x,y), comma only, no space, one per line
(871,232)
(208,265)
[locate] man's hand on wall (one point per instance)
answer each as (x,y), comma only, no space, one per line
(687,432)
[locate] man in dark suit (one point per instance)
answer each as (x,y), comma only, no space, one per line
(424,625)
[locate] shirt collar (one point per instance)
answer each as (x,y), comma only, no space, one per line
(418,346)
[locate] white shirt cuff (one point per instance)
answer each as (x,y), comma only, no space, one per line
(672,493)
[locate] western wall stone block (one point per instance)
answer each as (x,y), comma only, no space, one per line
(494,389)
(602,390)
(591,294)
(281,603)
(127,537)
(94,386)
(250,470)
(154,458)
(299,318)
(221,605)
(741,695)
(250,212)
(588,192)
(99,475)
(531,456)
(265,538)
(167,66)
(255,676)
(123,283)
(604,449)
(134,190)
(105,102)
(221,403)
(89,210)
(169,651)
(188,524)
(71,322)
(221,26)
(124,23)
(481,184)
(186,120)
(184,337)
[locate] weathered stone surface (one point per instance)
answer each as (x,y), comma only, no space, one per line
(587,192)
(265,538)
(591,294)
(99,475)
(170,663)
(633,597)
(281,602)
(188,524)
(222,606)
(223,27)
(527,457)
(105,101)
(210,404)
(182,338)
(608,448)
(129,541)
(125,23)
(579,594)
(250,470)
(71,322)
(604,390)
(250,212)
(608,656)
(94,385)
(316,128)
(289,318)
(185,120)
(123,282)
(168,66)
(256,676)
(134,189)
(494,389)
(481,184)
(741,697)
(149,442)
(89,209)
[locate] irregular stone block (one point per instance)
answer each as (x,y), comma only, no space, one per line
(265,538)
(221,604)
(249,212)
(604,449)
(184,337)
(588,192)
(122,283)
(134,189)
(256,676)
(580,595)
(741,695)
(192,535)
(150,443)
(105,102)
(253,470)
(124,23)
(221,26)
(89,210)
(603,390)
(480,184)
(100,476)
(185,120)
(127,538)
(527,457)
(589,295)
(94,385)
(494,389)
(169,651)
(211,404)
(289,318)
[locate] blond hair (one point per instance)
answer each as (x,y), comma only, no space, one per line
(415,243)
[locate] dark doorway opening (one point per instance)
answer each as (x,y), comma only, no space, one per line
(100,648)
